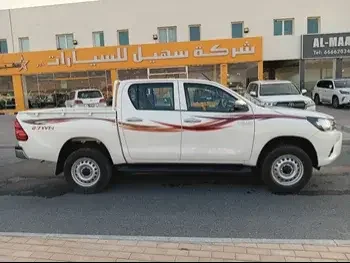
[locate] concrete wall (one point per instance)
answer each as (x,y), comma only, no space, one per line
(142,18)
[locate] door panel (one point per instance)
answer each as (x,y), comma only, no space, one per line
(150,122)
(212,131)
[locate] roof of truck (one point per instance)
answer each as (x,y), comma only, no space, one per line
(166,80)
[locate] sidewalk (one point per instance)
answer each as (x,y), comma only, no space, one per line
(45,248)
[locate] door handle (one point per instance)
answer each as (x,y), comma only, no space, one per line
(192,120)
(134,119)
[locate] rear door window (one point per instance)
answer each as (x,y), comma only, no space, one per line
(89,94)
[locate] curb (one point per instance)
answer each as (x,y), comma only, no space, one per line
(180,239)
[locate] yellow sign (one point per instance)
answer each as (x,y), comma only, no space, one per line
(220,51)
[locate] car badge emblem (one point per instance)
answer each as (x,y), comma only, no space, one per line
(291,104)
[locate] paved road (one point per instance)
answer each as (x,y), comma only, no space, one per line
(33,200)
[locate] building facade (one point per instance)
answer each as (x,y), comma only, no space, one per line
(274,28)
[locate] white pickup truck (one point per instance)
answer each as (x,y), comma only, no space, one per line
(176,125)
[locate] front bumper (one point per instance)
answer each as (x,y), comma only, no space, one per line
(20,153)
(328,146)
(344,100)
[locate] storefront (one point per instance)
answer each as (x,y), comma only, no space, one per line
(324,56)
(44,79)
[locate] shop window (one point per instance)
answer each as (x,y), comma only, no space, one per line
(3,46)
(167,34)
(237,29)
(98,39)
(283,27)
(123,37)
(53,89)
(313,25)
(23,44)
(195,32)
(7,97)
(65,41)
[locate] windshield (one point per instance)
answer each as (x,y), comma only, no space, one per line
(342,83)
(278,89)
(89,94)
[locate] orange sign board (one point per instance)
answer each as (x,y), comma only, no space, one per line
(219,51)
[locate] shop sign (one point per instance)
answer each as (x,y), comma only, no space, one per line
(208,52)
(335,45)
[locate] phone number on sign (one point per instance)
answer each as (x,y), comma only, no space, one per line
(337,52)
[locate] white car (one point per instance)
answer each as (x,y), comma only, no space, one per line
(163,125)
(278,93)
(332,91)
(86,98)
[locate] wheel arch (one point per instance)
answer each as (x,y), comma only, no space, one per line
(301,142)
(74,144)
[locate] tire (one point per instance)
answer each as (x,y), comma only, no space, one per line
(335,102)
(317,99)
(297,158)
(95,164)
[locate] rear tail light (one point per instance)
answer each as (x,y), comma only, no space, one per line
(102,101)
(20,133)
(78,102)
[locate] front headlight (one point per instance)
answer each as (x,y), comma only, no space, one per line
(310,103)
(322,124)
(269,104)
(344,92)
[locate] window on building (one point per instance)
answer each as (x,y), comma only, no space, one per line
(167,34)
(123,37)
(237,29)
(98,39)
(283,27)
(313,25)
(65,41)
(195,32)
(3,46)
(23,44)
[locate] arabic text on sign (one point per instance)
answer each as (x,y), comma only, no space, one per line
(122,55)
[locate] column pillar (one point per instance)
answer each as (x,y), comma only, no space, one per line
(339,68)
(18,92)
(260,70)
(302,73)
(223,74)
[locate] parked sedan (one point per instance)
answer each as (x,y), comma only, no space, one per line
(278,93)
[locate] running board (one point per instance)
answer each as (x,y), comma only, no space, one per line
(182,168)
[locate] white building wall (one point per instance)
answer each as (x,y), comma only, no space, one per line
(142,18)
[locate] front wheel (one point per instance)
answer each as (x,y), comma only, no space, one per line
(88,171)
(286,169)
(335,102)
(317,99)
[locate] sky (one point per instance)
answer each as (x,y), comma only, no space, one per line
(9,4)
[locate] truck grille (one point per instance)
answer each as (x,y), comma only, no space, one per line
(292,104)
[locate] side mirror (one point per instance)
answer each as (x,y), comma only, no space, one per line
(303,91)
(331,86)
(253,93)
(241,105)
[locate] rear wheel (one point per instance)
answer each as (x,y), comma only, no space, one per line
(286,169)
(335,102)
(88,171)
(317,99)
